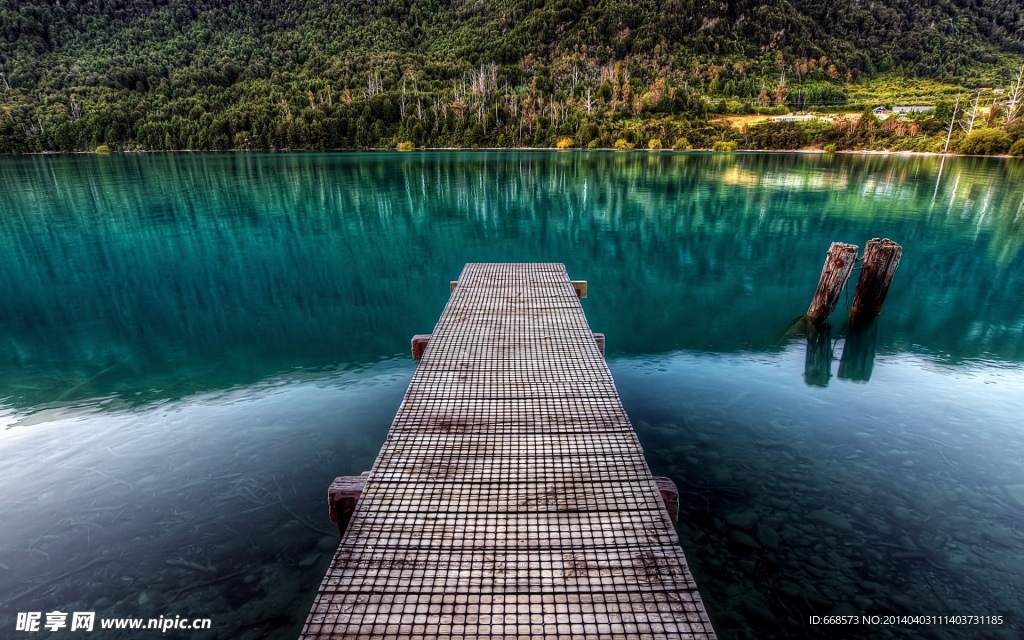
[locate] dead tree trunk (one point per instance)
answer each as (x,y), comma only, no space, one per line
(881,257)
(834,274)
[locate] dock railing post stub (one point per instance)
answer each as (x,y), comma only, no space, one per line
(419,345)
(669,496)
(342,496)
(881,258)
(834,275)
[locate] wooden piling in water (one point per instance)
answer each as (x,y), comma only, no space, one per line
(834,274)
(881,257)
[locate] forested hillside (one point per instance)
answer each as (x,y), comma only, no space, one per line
(275,74)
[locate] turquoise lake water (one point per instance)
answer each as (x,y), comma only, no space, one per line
(193,346)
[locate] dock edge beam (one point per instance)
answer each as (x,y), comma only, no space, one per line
(420,340)
(345,491)
(579,285)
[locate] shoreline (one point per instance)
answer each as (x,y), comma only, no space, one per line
(862,152)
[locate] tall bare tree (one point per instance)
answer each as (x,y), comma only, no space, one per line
(972,113)
(374,85)
(402,105)
(1013,104)
(952,121)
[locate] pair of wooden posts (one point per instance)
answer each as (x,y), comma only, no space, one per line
(881,257)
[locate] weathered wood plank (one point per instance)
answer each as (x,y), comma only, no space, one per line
(511,498)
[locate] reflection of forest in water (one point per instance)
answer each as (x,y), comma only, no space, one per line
(172,273)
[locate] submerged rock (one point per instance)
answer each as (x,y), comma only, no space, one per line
(742,520)
(741,538)
(758,611)
(721,476)
(818,562)
(767,536)
(901,514)
(327,543)
(1001,537)
(843,609)
(903,602)
(834,520)
(1015,492)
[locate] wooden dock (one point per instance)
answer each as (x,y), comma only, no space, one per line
(511,498)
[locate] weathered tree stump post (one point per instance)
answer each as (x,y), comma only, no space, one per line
(858,359)
(838,266)
(881,257)
(818,359)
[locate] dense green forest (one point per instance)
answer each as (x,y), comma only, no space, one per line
(331,74)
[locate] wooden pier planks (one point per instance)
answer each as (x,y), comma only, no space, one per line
(511,498)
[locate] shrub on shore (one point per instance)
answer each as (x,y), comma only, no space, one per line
(985,142)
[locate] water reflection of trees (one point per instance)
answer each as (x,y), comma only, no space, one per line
(176,269)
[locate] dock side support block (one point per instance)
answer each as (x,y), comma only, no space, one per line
(452,285)
(599,339)
(669,496)
(342,496)
(419,345)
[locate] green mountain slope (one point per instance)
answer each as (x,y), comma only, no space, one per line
(79,73)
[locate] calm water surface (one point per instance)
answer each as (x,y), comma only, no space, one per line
(193,346)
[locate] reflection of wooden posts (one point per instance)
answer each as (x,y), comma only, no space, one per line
(818,360)
(838,265)
(881,257)
(858,359)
